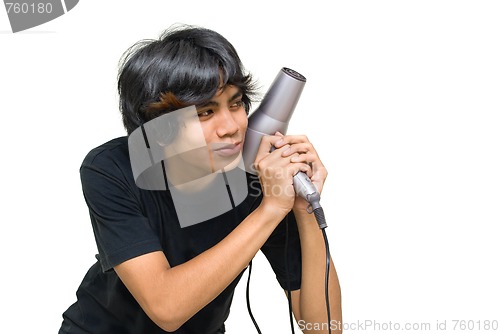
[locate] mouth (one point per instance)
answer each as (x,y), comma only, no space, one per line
(226,150)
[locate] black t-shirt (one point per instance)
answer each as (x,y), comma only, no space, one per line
(128,222)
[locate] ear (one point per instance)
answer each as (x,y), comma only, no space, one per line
(167,134)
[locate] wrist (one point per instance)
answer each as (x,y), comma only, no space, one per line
(300,206)
(306,220)
(300,212)
(272,212)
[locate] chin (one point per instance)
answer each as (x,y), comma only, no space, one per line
(229,164)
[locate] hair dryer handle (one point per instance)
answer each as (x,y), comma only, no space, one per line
(304,188)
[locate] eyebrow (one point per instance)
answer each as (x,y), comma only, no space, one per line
(215,103)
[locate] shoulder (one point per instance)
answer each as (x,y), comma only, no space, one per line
(113,150)
(109,160)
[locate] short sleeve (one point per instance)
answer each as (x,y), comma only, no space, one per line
(121,229)
(277,246)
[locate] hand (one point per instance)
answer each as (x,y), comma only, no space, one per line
(276,169)
(300,150)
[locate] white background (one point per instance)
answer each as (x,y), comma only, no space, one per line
(402,103)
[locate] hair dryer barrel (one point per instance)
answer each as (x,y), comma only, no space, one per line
(283,95)
(273,113)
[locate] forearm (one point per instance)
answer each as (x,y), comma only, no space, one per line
(194,284)
(312,292)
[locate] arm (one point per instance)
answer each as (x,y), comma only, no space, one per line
(172,295)
(309,305)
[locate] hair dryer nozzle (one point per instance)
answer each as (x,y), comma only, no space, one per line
(294,74)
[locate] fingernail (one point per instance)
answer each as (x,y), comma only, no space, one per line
(279,142)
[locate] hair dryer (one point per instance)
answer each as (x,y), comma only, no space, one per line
(272,115)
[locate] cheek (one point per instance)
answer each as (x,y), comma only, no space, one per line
(192,136)
(242,121)
(208,131)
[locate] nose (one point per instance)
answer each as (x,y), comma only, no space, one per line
(226,123)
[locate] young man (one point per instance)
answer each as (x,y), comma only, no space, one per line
(156,275)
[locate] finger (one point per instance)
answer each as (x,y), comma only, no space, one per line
(266,145)
(301,167)
(312,160)
(295,139)
(276,156)
(308,158)
(299,148)
(291,169)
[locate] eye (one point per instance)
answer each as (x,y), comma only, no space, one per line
(237,105)
(205,113)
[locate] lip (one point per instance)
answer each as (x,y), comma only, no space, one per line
(227,150)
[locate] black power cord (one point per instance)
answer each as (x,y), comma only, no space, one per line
(320,216)
(289,296)
(248,299)
(288,290)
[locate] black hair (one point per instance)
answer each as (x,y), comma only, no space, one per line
(191,63)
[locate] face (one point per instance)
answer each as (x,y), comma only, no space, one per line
(212,139)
